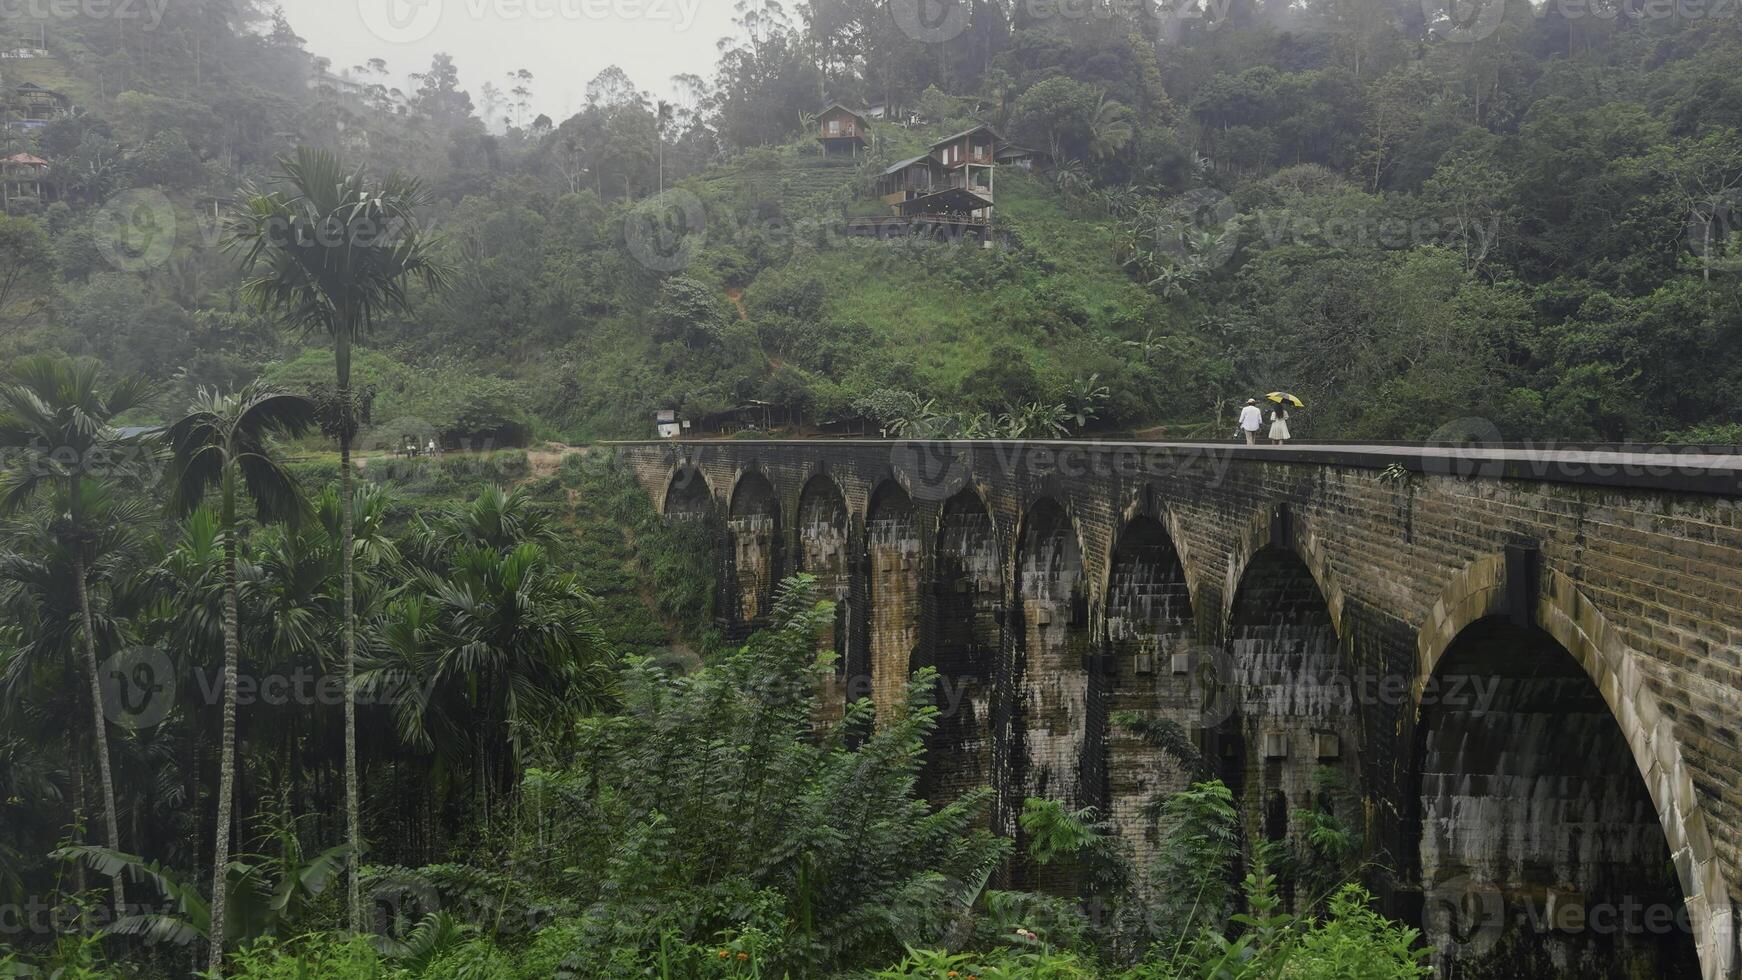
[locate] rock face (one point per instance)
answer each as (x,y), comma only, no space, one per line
(1519,678)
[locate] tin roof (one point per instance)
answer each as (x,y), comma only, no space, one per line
(903,165)
(967,132)
(859,114)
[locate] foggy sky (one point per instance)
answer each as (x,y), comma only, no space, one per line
(564,43)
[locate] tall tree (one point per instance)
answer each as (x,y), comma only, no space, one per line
(54,414)
(26,270)
(331,252)
(223,443)
(439,93)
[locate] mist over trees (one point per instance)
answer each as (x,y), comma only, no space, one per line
(1526,219)
(495,675)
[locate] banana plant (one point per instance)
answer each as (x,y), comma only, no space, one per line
(267,896)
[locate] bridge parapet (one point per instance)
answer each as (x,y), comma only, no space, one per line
(1630,561)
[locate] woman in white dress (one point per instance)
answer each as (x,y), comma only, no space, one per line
(1279,425)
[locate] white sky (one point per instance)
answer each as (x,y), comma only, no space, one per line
(564,43)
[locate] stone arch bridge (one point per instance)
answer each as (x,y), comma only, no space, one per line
(1516,672)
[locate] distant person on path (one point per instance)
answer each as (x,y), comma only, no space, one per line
(1251,417)
(1279,425)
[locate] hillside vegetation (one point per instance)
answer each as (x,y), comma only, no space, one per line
(1524,227)
(472,715)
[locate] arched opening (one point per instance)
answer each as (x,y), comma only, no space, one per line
(1148,674)
(822,552)
(1541,853)
(968,587)
(1289,743)
(753,526)
(892,557)
(687,495)
(1053,639)
(822,536)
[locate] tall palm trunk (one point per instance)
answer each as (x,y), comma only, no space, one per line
(99,731)
(353,887)
(227,742)
(79,807)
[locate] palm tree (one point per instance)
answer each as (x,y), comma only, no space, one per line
(222,443)
(1110,128)
(57,419)
(41,650)
(496,519)
(494,646)
(330,253)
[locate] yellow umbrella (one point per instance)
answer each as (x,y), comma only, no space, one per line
(1284,398)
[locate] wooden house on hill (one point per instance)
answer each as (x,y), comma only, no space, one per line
(952,182)
(900,115)
(1011,155)
(842,130)
(33,106)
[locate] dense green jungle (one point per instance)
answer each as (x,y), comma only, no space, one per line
(280,698)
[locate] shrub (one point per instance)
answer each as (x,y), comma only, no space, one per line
(475,960)
(1030,964)
(711,806)
(314,955)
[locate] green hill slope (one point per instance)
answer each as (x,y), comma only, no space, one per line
(831,324)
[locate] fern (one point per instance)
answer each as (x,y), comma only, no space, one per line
(712,803)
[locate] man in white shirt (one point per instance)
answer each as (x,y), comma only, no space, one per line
(1250,419)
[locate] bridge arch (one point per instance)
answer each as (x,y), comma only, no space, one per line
(822,523)
(968,590)
(1144,502)
(1288,737)
(687,493)
(753,527)
(1052,641)
(1277,526)
(1148,623)
(1474,600)
(892,560)
(822,549)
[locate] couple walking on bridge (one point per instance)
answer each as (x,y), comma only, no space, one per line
(1252,417)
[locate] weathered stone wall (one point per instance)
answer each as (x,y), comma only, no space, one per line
(1639,584)
(1149,674)
(1529,793)
(1052,697)
(1294,701)
(753,529)
(965,626)
(824,550)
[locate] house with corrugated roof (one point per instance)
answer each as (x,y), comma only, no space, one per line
(952,181)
